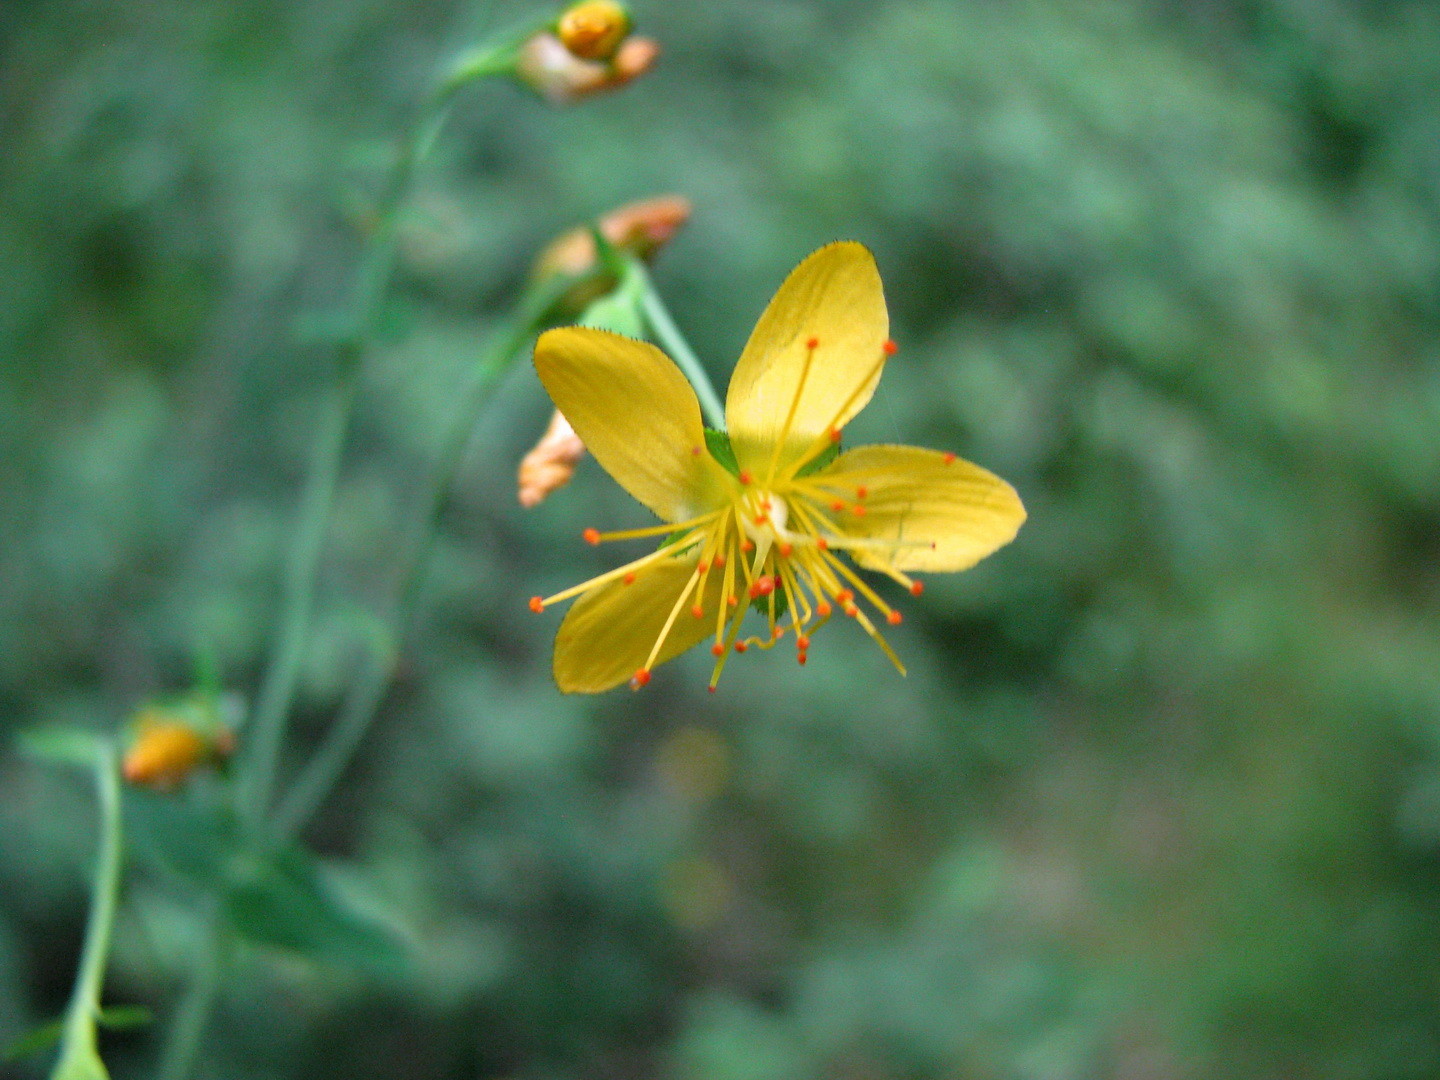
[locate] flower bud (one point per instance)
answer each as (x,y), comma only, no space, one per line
(167,748)
(640,228)
(549,466)
(594,29)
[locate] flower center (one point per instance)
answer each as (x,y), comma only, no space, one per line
(764,516)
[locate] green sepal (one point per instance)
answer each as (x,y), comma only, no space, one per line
(820,460)
(718,443)
(118,1018)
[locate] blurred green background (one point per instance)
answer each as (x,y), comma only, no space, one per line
(1160,797)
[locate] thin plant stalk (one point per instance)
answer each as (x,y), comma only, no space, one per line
(670,338)
(79,1049)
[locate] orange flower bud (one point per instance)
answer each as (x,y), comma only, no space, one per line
(594,29)
(166,750)
(551,464)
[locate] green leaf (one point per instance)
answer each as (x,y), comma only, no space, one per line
(288,901)
(63,745)
(718,443)
(31,1043)
(125,1017)
(194,841)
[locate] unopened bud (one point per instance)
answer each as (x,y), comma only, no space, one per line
(559,75)
(167,749)
(594,29)
(549,466)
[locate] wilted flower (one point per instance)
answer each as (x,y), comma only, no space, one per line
(558,75)
(763,515)
(551,464)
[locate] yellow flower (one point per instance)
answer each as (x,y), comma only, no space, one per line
(776,525)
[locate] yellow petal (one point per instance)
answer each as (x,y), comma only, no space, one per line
(608,633)
(636,413)
(834,297)
(949,512)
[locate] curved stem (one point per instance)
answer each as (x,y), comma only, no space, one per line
(674,343)
(79,1052)
(368,690)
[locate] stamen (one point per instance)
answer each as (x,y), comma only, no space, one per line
(697,611)
(823,609)
(813,343)
(537,605)
(810,347)
(835,434)
(592,536)
(861,491)
(718,649)
(894,618)
(745,477)
(640,678)
(740,646)
(949,459)
(916,588)
(763,586)
(890,347)
(630,578)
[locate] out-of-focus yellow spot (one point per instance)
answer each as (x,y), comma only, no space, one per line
(697,893)
(164,753)
(694,763)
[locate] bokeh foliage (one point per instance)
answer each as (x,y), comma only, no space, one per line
(1160,796)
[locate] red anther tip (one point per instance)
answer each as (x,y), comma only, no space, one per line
(719,560)
(894,618)
(694,451)
(838,506)
(711,688)
(802,642)
(834,434)
(861,491)
(785,550)
(890,347)
(697,611)
(740,646)
(949,458)
(730,601)
(762,519)
(764,585)
(702,566)
(858,510)
(747,544)
(640,678)
(630,578)
(777,633)
(537,605)
(851,610)
(801,658)
(592,536)
(822,609)
(813,343)
(844,596)
(822,543)
(717,650)
(916,588)
(745,476)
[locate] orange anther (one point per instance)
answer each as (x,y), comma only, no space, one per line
(697,611)
(802,642)
(762,519)
(592,536)
(838,505)
(844,596)
(858,510)
(731,601)
(640,678)
(702,566)
(785,549)
(851,610)
(861,491)
(801,658)
(745,476)
(822,609)
(718,649)
(822,543)
(834,434)
(894,618)
(949,458)
(537,605)
(740,646)
(764,585)
(777,633)
(719,560)
(630,578)
(890,347)
(747,544)
(813,343)
(916,588)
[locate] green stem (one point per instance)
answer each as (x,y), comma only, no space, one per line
(79,1050)
(674,343)
(182,1047)
(357,713)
